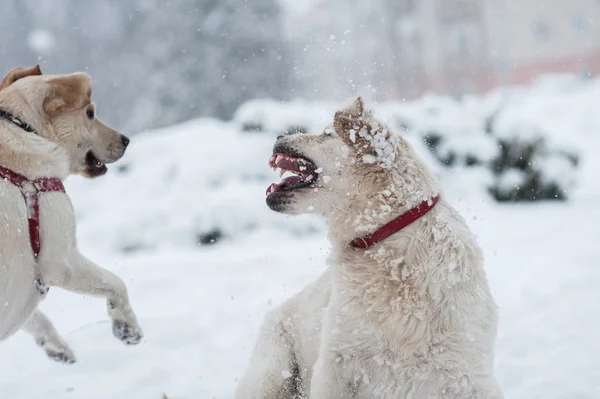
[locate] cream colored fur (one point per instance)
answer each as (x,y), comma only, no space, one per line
(58,108)
(410,317)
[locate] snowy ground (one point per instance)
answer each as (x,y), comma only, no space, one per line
(201,311)
(201,307)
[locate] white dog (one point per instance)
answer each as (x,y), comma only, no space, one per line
(48,130)
(404,310)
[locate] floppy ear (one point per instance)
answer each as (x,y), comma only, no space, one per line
(18,73)
(68,93)
(350,121)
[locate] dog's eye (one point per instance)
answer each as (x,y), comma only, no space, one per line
(90,113)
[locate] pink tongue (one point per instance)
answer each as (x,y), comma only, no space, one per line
(288,181)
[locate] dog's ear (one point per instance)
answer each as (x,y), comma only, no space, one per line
(349,115)
(350,124)
(68,93)
(18,73)
(369,139)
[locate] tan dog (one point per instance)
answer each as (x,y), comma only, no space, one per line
(411,316)
(49,129)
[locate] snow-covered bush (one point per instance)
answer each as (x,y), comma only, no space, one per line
(524,162)
(272,116)
(528,170)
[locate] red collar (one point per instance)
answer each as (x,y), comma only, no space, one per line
(395,225)
(30,190)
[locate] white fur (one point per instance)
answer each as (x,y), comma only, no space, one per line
(58,151)
(410,317)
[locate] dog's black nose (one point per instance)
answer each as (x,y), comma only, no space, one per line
(280,136)
(124,140)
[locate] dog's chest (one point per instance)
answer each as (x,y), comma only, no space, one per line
(56,221)
(364,337)
(23,276)
(57,226)
(372,371)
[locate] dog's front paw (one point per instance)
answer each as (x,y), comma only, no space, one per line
(61,356)
(126,333)
(58,351)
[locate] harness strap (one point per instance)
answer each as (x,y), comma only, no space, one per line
(30,190)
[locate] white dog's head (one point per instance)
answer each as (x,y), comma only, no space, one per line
(356,169)
(60,109)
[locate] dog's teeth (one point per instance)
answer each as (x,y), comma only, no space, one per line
(279,158)
(309,178)
(282,172)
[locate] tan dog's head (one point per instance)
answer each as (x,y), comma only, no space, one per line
(60,109)
(356,168)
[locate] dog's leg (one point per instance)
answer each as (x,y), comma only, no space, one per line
(84,276)
(41,328)
(327,381)
(273,372)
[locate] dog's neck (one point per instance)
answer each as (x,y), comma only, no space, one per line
(391,282)
(17,121)
(342,238)
(396,196)
(29,154)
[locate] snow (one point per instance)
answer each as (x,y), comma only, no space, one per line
(278,117)
(510,180)
(178,184)
(557,169)
(201,311)
(41,41)
(201,306)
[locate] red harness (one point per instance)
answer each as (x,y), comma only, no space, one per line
(395,225)
(30,190)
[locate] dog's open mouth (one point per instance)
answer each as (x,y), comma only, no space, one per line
(93,166)
(305,172)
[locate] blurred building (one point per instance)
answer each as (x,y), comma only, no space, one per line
(459,46)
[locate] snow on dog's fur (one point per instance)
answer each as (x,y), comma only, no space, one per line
(409,317)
